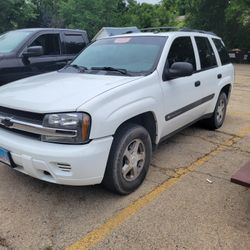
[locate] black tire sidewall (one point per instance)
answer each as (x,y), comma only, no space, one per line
(216,123)
(124,137)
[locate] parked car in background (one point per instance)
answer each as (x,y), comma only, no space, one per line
(29,52)
(239,55)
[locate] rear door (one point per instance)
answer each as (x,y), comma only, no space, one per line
(208,71)
(183,96)
(226,70)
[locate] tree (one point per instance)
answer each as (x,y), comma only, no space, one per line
(228,19)
(16,13)
(91,15)
(47,14)
(207,14)
(238,24)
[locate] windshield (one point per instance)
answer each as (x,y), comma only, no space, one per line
(134,55)
(10,40)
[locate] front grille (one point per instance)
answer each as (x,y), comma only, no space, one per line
(24,116)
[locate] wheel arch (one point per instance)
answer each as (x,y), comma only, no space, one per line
(147,120)
(227,90)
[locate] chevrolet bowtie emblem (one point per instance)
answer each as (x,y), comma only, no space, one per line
(7,122)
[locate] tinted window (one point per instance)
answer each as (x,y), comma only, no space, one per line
(9,41)
(206,53)
(182,51)
(74,43)
(138,55)
(49,42)
(224,57)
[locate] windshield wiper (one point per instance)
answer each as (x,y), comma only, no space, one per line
(122,71)
(75,66)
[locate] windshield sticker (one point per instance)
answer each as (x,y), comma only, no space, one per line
(122,40)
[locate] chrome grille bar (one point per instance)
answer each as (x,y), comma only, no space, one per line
(12,123)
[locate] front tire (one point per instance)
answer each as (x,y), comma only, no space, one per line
(219,114)
(129,159)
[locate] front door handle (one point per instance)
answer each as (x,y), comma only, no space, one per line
(219,76)
(197,84)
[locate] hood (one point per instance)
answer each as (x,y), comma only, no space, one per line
(57,91)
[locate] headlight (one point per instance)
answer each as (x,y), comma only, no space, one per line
(76,127)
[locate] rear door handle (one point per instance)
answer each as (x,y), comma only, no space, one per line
(197,84)
(219,76)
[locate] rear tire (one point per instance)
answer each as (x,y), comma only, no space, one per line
(129,159)
(219,114)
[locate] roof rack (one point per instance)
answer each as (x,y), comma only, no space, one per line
(199,31)
(160,29)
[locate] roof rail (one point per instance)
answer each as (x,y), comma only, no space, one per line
(160,29)
(199,31)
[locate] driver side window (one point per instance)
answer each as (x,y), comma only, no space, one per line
(49,42)
(181,50)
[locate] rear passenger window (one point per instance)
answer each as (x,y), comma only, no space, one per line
(181,51)
(206,53)
(74,43)
(224,57)
(49,42)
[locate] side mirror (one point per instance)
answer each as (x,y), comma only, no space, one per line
(34,51)
(69,62)
(178,69)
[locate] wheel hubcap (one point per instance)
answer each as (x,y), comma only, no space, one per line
(133,160)
(220,111)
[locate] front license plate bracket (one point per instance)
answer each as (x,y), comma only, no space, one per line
(5,157)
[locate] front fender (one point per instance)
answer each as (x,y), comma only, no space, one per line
(113,108)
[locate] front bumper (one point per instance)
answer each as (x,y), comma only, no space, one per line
(58,163)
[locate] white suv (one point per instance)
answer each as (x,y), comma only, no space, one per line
(98,119)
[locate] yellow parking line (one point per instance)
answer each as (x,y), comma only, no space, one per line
(98,234)
(244,132)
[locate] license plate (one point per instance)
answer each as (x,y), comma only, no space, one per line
(4,156)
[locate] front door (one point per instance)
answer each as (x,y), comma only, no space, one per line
(52,58)
(184,95)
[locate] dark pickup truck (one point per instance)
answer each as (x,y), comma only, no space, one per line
(28,52)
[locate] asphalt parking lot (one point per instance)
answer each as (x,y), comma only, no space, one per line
(186,202)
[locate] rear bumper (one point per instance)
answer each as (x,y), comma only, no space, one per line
(58,163)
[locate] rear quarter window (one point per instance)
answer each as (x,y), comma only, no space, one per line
(224,57)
